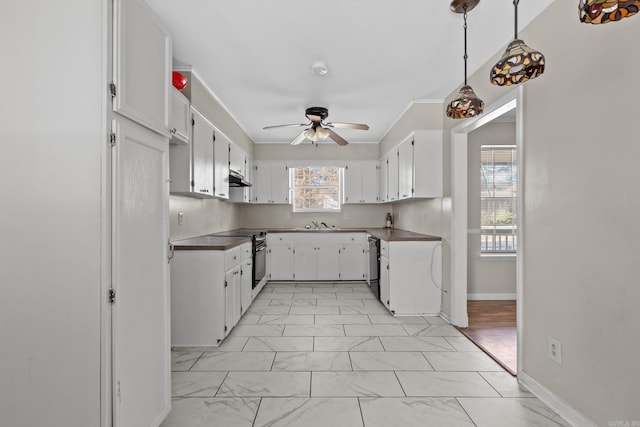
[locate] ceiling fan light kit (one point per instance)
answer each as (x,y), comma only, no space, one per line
(319,130)
(319,68)
(605,11)
(466,104)
(519,63)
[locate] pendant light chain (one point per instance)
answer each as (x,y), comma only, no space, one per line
(515,4)
(465,45)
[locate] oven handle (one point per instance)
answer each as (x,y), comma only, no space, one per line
(261,248)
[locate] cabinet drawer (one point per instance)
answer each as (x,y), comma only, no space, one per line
(279,238)
(329,238)
(245,248)
(232,258)
(354,238)
(384,248)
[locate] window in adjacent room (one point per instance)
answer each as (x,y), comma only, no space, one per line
(498,182)
(317,189)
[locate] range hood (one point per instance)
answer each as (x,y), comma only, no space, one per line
(237,180)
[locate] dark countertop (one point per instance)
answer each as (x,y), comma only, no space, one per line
(213,242)
(209,243)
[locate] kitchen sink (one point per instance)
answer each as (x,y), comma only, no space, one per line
(315,229)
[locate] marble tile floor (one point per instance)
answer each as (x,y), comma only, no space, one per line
(330,355)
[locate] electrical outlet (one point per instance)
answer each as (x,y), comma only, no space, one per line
(425,217)
(180,219)
(346,217)
(555,350)
(286,215)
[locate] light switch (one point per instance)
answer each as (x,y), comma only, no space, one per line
(180,219)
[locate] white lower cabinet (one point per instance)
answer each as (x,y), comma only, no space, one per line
(322,256)
(207,294)
(410,277)
(280,256)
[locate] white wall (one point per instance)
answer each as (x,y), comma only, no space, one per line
(581,205)
(486,275)
(53,139)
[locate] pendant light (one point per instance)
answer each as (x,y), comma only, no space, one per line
(466,104)
(602,12)
(519,62)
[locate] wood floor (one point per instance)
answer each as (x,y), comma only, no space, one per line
(492,327)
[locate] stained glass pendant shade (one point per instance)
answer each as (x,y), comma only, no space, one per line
(604,11)
(519,62)
(466,104)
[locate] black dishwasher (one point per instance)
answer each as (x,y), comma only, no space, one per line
(374,265)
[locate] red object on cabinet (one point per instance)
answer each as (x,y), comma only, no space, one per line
(179,80)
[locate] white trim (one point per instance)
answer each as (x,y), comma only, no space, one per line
(560,406)
(491,297)
(459,231)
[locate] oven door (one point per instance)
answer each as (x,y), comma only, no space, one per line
(259,263)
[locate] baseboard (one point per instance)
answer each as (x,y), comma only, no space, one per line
(491,297)
(562,408)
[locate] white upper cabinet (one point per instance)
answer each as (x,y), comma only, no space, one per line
(271,182)
(361,182)
(413,168)
(180,117)
(383,180)
(141,76)
(392,173)
(203,144)
(237,159)
(405,169)
(221,165)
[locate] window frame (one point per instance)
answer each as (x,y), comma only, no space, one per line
(496,253)
(340,186)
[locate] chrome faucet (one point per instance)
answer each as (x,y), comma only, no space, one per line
(325,224)
(315,224)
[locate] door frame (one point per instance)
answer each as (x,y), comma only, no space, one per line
(459,235)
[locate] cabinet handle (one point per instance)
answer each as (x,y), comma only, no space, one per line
(173,131)
(204,191)
(222,195)
(405,195)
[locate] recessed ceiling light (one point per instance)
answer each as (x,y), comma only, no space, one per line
(319,68)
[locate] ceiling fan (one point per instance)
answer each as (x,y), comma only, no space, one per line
(318,129)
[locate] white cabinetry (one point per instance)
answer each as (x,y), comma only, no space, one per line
(271,182)
(192,164)
(410,277)
(361,182)
(246,278)
(237,159)
(244,194)
(180,117)
(316,256)
(405,169)
(206,295)
(392,174)
(221,165)
(383,180)
(280,256)
(352,256)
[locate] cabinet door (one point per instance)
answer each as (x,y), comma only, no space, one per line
(180,117)
(246,285)
(427,152)
(230,299)
(262,182)
(236,159)
(279,183)
(353,183)
(405,169)
(142,61)
(384,281)
(280,262)
(221,165)
(393,176)
(383,188)
(352,262)
(305,261)
(140,314)
(203,136)
(369,182)
(328,262)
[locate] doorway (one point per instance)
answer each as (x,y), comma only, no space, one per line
(459,195)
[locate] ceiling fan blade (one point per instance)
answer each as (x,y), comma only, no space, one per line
(337,138)
(299,138)
(286,126)
(360,126)
(313,117)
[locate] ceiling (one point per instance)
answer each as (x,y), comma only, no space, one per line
(256,56)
